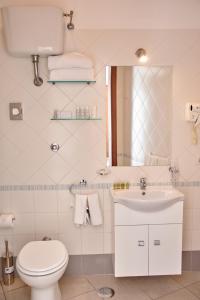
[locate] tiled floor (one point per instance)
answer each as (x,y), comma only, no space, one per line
(184,287)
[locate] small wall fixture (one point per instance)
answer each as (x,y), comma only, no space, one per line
(38,81)
(70,25)
(142,55)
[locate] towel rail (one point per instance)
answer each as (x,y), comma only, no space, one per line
(82,183)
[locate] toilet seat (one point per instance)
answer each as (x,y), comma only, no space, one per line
(39,258)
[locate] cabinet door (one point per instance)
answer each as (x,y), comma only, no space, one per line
(131,251)
(165,249)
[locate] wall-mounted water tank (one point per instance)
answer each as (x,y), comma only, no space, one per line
(33,30)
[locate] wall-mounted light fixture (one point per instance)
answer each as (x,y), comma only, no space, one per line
(142,55)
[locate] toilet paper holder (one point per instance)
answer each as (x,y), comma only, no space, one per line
(6,220)
(13,218)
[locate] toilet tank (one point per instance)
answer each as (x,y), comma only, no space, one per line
(33,30)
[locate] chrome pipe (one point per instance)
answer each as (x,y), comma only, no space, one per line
(38,81)
(70,25)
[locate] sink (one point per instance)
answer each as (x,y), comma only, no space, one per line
(150,199)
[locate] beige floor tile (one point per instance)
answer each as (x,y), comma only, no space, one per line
(157,286)
(182,294)
(88,296)
(194,288)
(16,285)
(2,297)
(187,278)
(74,286)
(94,296)
(125,288)
(19,294)
(134,295)
(99,281)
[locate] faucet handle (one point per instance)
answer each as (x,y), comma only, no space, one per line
(142,179)
(173,170)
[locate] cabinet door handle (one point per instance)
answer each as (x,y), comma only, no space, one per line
(141,243)
(156,243)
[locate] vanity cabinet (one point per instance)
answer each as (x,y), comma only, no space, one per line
(165,249)
(148,243)
(131,250)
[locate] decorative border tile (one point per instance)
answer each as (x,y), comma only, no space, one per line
(63,187)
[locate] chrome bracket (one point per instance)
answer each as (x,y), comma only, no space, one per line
(70,25)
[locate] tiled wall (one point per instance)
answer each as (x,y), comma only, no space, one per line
(25,157)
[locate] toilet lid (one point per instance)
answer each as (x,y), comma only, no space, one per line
(42,256)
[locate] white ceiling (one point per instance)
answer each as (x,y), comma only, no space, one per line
(126,14)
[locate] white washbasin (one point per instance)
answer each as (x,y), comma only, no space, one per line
(152,199)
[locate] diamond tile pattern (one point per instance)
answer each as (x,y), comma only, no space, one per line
(25,154)
(151,116)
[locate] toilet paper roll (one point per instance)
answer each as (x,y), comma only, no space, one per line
(7,220)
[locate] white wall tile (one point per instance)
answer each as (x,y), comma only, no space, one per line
(5,202)
(195,240)
(73,242)
(25,154)
(10,238)
(65,200)
(56,168)
(19,240)
(92,243)
(46,224)
(22,202)
(24,224)
(46,202)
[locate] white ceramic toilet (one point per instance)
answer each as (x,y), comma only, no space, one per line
(40,264)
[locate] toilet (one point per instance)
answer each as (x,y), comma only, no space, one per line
(40,264)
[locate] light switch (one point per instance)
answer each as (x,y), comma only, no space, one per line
(16,112)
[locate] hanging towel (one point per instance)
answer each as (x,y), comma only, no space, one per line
(69,60)
(72,75)
(80,213)
(94,209)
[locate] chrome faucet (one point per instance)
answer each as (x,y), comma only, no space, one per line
(143,183)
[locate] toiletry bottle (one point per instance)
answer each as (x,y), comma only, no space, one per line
(78,112)
(55,115)
(82,112)
(87,112)
(7,267)
(94,112)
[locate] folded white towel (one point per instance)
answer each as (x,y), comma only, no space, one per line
(72,75)
(95,210)
(69,60)
(80,214)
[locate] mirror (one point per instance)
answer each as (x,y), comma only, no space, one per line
(139,115)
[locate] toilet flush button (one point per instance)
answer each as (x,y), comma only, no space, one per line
(15,110)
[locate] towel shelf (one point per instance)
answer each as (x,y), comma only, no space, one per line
(72,81)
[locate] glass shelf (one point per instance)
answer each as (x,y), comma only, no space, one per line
(71,81)
(76,119)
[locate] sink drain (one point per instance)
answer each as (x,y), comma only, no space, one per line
(105,292)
